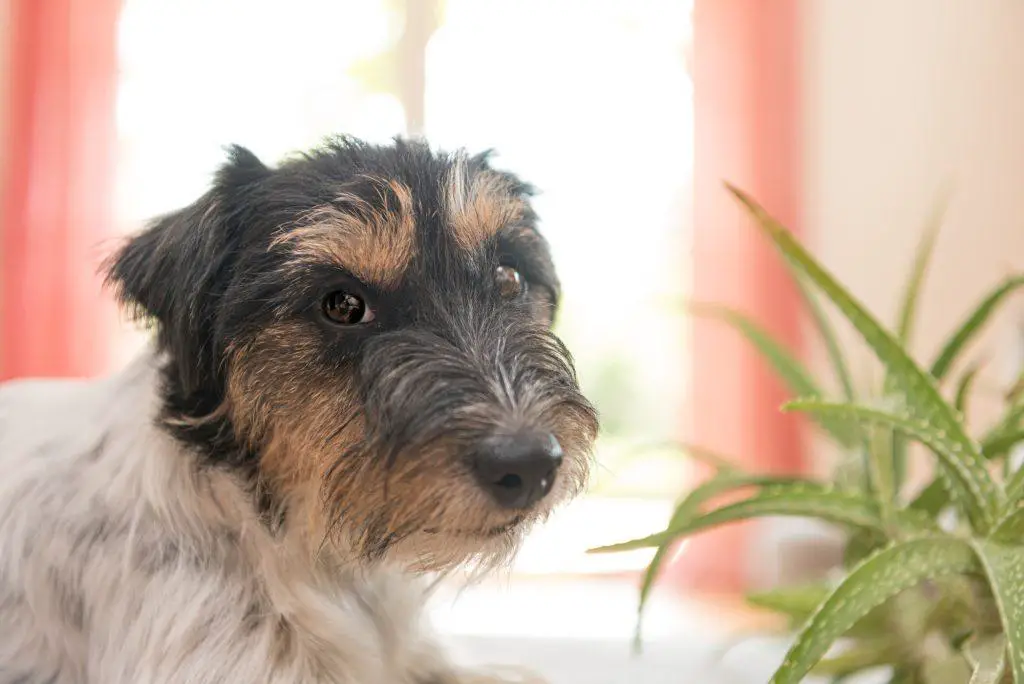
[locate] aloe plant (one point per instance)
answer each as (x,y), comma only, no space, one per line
(935,603)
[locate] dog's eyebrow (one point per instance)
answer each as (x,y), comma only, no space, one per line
(478,205)
(374,242)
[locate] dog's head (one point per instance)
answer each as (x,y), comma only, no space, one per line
(364,334)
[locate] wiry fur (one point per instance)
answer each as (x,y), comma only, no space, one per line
(254,498)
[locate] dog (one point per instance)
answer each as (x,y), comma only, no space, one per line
(352,387)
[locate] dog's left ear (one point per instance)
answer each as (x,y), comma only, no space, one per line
(176,270)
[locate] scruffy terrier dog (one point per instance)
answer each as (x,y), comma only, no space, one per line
(353,383)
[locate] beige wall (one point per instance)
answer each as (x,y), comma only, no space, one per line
(904,96)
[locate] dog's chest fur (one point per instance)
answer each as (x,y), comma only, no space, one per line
(121,561)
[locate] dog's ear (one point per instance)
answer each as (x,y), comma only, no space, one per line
(177,268)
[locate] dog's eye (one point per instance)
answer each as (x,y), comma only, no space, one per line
(345,308)
(510,283)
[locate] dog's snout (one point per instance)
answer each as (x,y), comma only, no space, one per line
(518,471)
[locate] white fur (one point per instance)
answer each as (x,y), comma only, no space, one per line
(122,562)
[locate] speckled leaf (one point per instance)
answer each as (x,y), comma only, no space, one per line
(799,500)
(987,658)
(905,325)
(787,367)
(825,330)
(873,582)
(980,498)
(1011,526)
(946,449)
(972,325)
(1015,488)
(798,603)
(1004,567)
(686,510)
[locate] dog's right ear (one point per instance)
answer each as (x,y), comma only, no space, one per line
(175,271)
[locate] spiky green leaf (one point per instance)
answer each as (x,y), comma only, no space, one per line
(963,388)
(981,497)
(795,500)
(826,331)
(786,366)
(1004,568)
(999,445)
(922,259)
(1010,528)
(797,603)
(949,451)
(1007,427)
(686,510)
(862,655)
(932,499)
(707,457)
(987,658)
(1015,488)
(872,583)
(973,324)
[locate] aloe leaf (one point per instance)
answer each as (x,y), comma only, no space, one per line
(932,499)
(712,459)
(987,658)
(948,451)
(798,603)
(922,259)
(963,389)
(873,582)
(944,668)
(686,510)
(861,544)
(972,325)
(978,494)
(906,320)
(1000,444)
(801,499)
(1008,425)
(1010,528)
(864,654)
(1004,568)
(828,335)
(787,367)
(1015,488)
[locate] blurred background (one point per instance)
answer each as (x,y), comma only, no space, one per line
(845,119)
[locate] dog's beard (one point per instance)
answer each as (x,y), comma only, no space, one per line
(376,455)
(411,515)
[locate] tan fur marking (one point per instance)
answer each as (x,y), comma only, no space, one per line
(374,242)
(479,206)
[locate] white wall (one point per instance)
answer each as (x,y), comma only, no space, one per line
(904,96)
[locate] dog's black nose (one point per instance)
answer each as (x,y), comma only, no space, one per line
(519,471)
